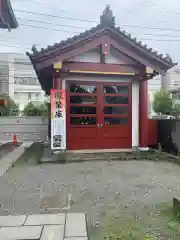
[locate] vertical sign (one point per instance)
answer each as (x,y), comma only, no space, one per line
(58,119)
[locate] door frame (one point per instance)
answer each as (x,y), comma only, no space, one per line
(96,83)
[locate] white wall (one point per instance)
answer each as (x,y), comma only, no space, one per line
(25,128)
(135,114)
(91,56)
(116,57)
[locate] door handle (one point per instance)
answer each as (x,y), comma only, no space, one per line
(98,125)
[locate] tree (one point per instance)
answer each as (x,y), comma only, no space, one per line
(10,108)
(35,110)
(44,108)
(163,103)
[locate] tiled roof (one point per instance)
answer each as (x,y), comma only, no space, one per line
(7,17)
(107,23)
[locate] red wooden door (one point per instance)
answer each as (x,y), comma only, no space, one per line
(82,115)
(98,115)
(115,115)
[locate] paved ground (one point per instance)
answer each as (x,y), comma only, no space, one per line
(61,226)
(95,187)
(5,148)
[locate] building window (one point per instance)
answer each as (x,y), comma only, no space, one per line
(177,73)
(26,81)
(37,96)
(29,96)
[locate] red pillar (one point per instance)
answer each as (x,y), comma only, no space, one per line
(143,113)
(56,82)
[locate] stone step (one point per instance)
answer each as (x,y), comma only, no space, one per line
(64,157)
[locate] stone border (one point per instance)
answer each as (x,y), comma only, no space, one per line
(170,157)
(70,226)
(68,157)
(7,161)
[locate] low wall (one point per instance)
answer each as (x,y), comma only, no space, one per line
(168,135)
(25,128)
(152,132)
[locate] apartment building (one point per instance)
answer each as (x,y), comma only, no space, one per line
(18,79)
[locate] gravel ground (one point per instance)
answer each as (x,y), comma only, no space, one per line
(95,187)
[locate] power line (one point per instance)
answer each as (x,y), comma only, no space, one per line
(62,10)
(55,16)
(57,24)
(54,29)
(91,21)
(26,42)
(61,30)
(148,39)
(72,26)
(6,45)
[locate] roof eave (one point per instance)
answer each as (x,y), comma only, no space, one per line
(13,23)
(33,63)
(144,49)
(164,62)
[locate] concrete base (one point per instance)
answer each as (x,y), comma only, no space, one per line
(83,156)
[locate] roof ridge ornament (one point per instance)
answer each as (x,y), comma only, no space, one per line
(107,17)
(168,58)
(34,49)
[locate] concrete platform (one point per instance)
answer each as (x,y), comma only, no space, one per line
(9,159)
(71,226)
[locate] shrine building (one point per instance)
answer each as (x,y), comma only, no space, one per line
(105,72)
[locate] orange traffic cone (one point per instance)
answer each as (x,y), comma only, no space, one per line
(14,139)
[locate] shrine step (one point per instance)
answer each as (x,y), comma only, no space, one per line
(67,157)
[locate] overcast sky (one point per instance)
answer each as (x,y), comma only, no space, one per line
(150,13)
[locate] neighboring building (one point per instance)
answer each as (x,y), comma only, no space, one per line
(170,82)
(7,17)
(172,78)
(154,85)
(18,79)
(104,73)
